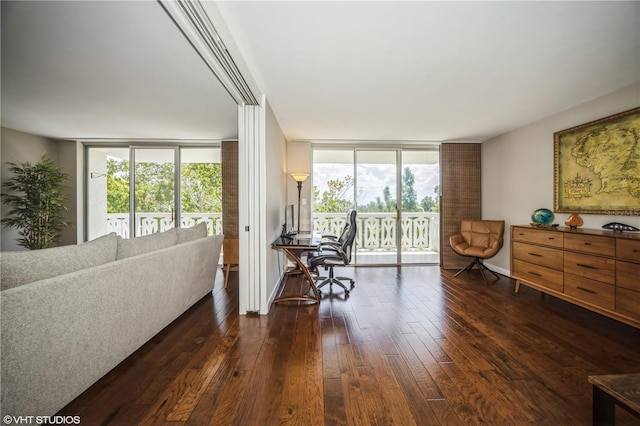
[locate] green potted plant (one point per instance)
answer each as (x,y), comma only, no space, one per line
(35,195)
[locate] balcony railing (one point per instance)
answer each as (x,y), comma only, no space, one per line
(377,231)
(149,223)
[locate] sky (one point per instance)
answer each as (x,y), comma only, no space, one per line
(372,178)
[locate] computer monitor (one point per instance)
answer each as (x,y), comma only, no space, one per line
(289,225)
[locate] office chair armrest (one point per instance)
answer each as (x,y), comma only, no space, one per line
(327,256)
(331,245)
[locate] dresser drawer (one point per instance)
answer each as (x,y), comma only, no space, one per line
(539,255)
(628,302)
(536,236)
(536,274)
(591,291)
(628,275)
(592,267)
(602,246)
(628,249)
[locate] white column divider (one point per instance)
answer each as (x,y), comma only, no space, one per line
(251,209)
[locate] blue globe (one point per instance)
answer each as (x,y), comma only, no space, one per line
(542,216)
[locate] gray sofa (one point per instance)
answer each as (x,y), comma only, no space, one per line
(70,314)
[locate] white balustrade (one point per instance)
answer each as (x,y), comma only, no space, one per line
(377,231)
(149,223)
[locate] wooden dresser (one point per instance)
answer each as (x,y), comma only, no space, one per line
(596,269)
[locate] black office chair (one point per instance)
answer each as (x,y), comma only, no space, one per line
(335,240)
(335,253)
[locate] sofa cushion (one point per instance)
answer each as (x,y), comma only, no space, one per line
(189,234)
(22,267)
(128,247)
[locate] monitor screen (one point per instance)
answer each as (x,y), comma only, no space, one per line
(289,224)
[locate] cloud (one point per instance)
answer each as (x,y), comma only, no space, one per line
(372,178)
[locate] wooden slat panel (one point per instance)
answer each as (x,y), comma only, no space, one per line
(461,197)
(229,158)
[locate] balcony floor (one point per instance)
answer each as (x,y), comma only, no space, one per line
(389,257)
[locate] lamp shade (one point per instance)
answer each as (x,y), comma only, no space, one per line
(299,177)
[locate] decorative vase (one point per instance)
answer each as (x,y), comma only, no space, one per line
(574,220)
(542,217)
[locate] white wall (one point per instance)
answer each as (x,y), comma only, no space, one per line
(68,159)
(97,194)
(299,160)
(276,155)
(517,167)
(19,147)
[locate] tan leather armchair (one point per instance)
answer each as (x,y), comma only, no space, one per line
(480,239)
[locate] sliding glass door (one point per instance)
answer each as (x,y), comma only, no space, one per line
(140,190)
(376,187)
(154,189)
(107,207)
(201,188)
(420,189)
(395,192)
(333,194)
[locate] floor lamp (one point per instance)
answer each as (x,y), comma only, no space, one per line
(299,178)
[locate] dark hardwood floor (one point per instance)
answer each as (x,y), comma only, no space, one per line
(411,345)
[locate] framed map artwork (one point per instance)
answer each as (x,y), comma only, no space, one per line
(597,166)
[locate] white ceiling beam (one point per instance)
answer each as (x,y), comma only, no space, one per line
(195,24)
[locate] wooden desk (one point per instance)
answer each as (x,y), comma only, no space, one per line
(609,390)
(292,247)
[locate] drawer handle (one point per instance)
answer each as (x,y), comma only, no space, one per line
(551,238)
(582,265)
(587,243)
(535,274)
(635,251)
(534,254)
(586,290)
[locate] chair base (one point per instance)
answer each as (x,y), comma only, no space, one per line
(481,266)
(331,279)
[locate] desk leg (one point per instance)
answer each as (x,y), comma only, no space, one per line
(604,409)
(312,283)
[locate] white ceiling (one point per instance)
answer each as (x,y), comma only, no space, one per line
(432,70)
(333,70)
(94,69)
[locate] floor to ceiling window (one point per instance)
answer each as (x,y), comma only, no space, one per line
(154,189)
(420,206)
(140,190)
(376,188)
(395,191)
